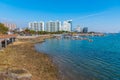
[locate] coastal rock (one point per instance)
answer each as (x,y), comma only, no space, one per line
(14,74)
(19,74)
(3,73)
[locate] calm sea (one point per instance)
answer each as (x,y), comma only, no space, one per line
(83,60)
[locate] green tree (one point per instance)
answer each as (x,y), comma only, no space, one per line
(3,29)
(32,32)
(27,30)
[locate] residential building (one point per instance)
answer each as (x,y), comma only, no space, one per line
(53,26)
(85,29)
(67,26)
(58,25)
(78,29)
(36,26)
(19,29)
(10,26)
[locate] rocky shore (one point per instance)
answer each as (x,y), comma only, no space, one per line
(21,59)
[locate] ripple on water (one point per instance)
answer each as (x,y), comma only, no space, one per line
(81,60)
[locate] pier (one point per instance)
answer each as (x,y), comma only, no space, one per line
(6,40)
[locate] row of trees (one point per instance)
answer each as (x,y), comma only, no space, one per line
(32,32)
(3,29)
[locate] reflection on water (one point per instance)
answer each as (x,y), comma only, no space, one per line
(83,60)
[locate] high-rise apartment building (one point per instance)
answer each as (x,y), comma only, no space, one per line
(58,25)
(53,26)
(36,26)
(67,26)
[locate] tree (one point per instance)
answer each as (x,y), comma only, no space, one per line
(3,29)
(32,32)
(27,30)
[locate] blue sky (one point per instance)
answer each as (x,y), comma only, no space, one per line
(97,15)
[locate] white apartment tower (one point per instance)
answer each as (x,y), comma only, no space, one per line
(67,26)
(36,26)
(53,26)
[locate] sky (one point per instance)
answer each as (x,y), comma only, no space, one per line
(97,15)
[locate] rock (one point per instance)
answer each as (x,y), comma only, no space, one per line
(3,73)
(19,74)
(14,74)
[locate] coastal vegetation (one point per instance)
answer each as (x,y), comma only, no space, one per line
(3,29)
(28,32)
(32,32)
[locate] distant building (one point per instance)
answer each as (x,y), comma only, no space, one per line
(53,26)
(85,29)
(67,26)
(10,26)
(78,29)
(19,29)
(36,26)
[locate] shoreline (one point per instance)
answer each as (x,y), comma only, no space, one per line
(22,54)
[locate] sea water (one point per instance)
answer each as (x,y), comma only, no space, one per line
(84,60)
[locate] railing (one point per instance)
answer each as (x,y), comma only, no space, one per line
(6,39)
